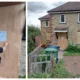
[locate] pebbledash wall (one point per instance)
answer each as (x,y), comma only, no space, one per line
(71,23)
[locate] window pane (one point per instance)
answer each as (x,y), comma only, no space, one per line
(62,18)
(46,23)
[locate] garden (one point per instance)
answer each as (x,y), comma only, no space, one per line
(60,70)
(67,67)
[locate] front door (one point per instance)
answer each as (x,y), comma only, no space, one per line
(62,40)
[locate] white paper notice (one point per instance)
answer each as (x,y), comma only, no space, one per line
(3,36)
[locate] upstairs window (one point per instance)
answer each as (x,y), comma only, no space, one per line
(78,18)
(47,23)
(62,18)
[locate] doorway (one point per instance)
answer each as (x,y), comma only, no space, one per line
(62,40)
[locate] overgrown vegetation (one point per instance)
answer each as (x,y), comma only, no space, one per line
(59,72)
(22,76)
(66,53)
(32,32)
(72,50)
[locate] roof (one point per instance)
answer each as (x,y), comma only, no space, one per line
(69,6)
(46,17)
(3,4)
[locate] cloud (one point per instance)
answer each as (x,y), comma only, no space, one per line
(56,4)
(36,7)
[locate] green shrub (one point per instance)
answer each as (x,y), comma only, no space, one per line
(22,76)
(67,53)
(42,52)
(32,32)
(72,48)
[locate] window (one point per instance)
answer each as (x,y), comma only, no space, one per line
(78,18)
(62,18)
(47,24)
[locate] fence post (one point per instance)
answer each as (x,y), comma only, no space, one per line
(52,61)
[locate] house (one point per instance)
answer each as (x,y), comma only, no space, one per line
(61,25)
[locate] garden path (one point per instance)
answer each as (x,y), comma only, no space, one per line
(60,54)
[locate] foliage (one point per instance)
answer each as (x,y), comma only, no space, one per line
(67,53)
(43,59)
(76,76)
(32,32)
(73,48)
(22,76)
(39,75)
(42,52)
(59,72)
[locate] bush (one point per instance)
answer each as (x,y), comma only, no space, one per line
(32,32)
(72,48)
(22,76)
(42,52)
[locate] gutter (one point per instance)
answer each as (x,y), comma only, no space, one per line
(57,12)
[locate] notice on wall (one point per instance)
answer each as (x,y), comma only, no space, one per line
(3,36)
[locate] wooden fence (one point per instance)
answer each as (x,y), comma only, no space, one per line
(35,52)
(41,64)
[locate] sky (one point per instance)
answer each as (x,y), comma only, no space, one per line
(39,9)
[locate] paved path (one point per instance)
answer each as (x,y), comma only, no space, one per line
(60,54)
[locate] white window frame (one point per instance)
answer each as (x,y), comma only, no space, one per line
(48,23)
(78,18)
(64,18)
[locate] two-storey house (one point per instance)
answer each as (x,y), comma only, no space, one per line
(61,25)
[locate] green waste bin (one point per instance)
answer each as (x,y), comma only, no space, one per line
(53,51)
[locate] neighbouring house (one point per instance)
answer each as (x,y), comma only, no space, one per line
(61,25)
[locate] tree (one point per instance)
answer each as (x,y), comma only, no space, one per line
(32,32)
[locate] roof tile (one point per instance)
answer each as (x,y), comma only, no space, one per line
(69,6)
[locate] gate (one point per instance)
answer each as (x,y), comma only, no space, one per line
(41,63)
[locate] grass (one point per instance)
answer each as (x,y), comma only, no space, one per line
(68,53)
(72,50)
(59,72)
(22,76)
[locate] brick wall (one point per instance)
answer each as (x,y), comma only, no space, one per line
(37,40)
(71,23)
